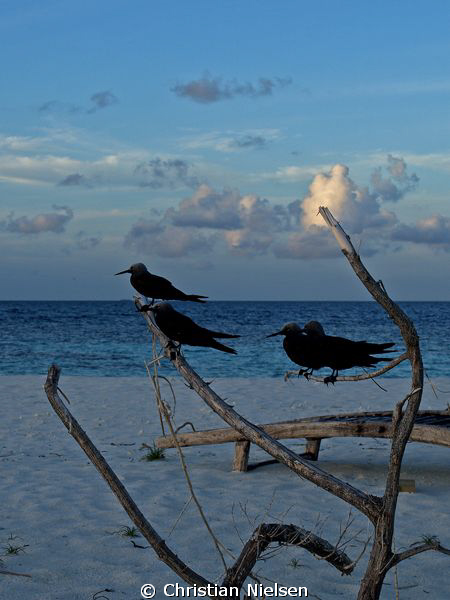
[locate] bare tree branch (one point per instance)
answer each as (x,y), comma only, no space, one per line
(268,533)
(399,556)
(381,554)
(118,489)
(393,363)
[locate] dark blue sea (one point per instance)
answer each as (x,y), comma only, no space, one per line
(111,338)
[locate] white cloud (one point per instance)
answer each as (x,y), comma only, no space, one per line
(44,222)
(251,225)
(231,140)
(360,207)
(291,173)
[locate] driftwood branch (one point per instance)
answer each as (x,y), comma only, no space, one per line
(370,424)
(393,363)
(118,489)
(366,503)
(289,535)
(399,556)
(381,555)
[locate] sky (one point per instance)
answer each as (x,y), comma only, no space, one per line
(201,137)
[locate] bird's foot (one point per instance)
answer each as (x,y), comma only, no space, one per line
(330,379)
(174,349)
(144,308)
(307,374)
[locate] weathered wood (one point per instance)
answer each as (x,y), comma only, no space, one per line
(370,375)
(278,533)
(350,425)
(407,485)
(154,539)
(241,452)
(312,448)
(381,555)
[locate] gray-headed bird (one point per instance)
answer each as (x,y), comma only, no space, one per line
(310,347)
(154,286)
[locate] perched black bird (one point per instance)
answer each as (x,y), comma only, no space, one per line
(182,329)
(310,347)
(154,286)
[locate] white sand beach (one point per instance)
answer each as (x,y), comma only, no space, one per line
(55,504)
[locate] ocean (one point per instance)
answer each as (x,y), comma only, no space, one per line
(111,338)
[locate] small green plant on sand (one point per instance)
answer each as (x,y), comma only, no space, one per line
(11,549)
(153,453)
(131,532)
(294,563)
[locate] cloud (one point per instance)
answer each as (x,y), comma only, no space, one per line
(150,237)
(54,222)
(316,242)
(293,173)
(158,173)
(17,143)
(243,224)
(433,231)
(99,100)
(358,206)
(209,208)
(207,89)
(75,179)
(398,182)
(250,141)
(249,225)
(61,166)
(86,242)
(102,100)
(248,242)
(232,141)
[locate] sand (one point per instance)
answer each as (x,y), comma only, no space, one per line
(54,504)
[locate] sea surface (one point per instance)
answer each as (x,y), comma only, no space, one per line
(111,338)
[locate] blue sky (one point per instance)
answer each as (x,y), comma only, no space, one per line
(200,137)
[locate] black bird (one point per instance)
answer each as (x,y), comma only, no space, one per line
(310,347)
(154,286)
(182,329)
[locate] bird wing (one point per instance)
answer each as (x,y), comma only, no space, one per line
(176,326)
(163,285)
(304,350)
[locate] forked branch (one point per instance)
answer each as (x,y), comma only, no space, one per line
(381,557)
(289,535)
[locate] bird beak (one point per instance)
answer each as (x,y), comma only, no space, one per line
(272,334)
(122,272)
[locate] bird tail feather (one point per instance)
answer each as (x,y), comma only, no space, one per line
(195,298)
(219,346)
(220,335)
